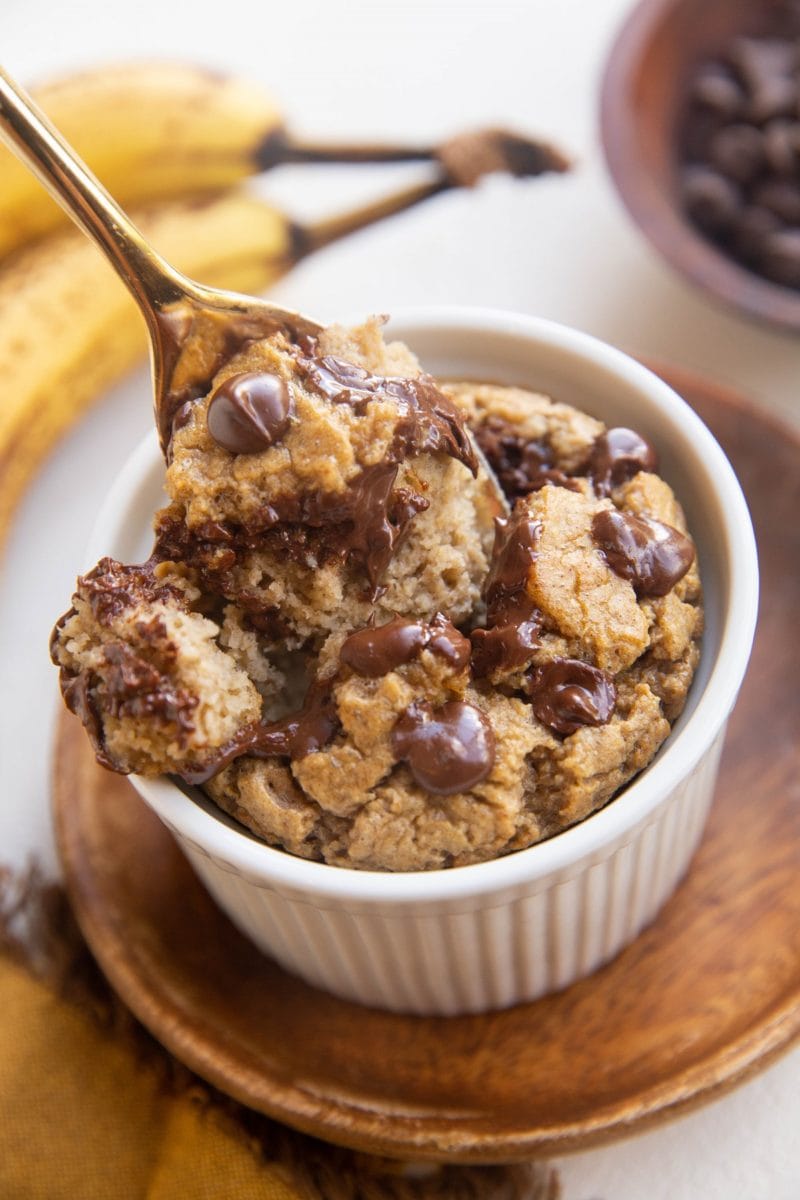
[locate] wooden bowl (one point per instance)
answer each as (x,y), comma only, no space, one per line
(642,98)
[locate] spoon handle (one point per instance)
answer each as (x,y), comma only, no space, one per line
(28,133)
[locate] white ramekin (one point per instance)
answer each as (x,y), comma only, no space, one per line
(497,933)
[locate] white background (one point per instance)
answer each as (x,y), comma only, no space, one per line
(558,247)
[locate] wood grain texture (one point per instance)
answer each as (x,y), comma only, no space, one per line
(643,90)
(706,996)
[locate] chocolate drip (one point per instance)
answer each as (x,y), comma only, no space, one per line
(374,652)
(448,749)
(428,421)
(651,555)
(302,733)
(616,456)
(567,694)
(522,465)
(363,524)
(296,736)
(248,413)
(513,620)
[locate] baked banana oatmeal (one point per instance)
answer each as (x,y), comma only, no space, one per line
(353,648)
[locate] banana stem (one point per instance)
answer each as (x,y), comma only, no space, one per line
(309,238)
(481,151)
(462,161)
(279,149)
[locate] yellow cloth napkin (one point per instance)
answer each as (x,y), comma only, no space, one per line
(92,1108)
(81,1119)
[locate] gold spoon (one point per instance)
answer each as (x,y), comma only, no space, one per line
(192,328)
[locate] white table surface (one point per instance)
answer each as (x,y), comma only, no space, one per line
(559,247)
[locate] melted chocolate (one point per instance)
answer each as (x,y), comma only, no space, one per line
(338,379)
(363,524)
(567,694)
(301,733)
(428,421)
(513,620)
(126,686)
(616,456)
(134,687)
(249,413)
(111,587)
(375,651)
(77,692)
(651,555)
(447,749)
(522,465)
(296,736)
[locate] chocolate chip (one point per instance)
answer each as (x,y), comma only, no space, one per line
(651,555)
(567,694)
(782,146)
(248,413)
(616,456)
(714,88)
(447,749)
(775,97)
(758,60)
(697,134)
(738,152)
(752,228)
(781,197)
(742,160)
(781,257)
(710,199)
(375,651)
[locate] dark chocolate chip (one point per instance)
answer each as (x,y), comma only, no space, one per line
(775,97)
(781,197)
(375,651)
(616,456)
(710,199)
(782,146)
(447,749)
(567,694)
(757,60)
(781,257)
(651,555)
(737,151)
(752,228)
(715,89)
(249,413)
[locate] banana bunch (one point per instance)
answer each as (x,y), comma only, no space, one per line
(173,143)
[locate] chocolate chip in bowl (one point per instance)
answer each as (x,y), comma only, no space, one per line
(700,120)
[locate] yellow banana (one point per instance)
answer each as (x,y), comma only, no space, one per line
(148,131)
(69,329)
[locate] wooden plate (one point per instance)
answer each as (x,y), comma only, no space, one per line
(707,995)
